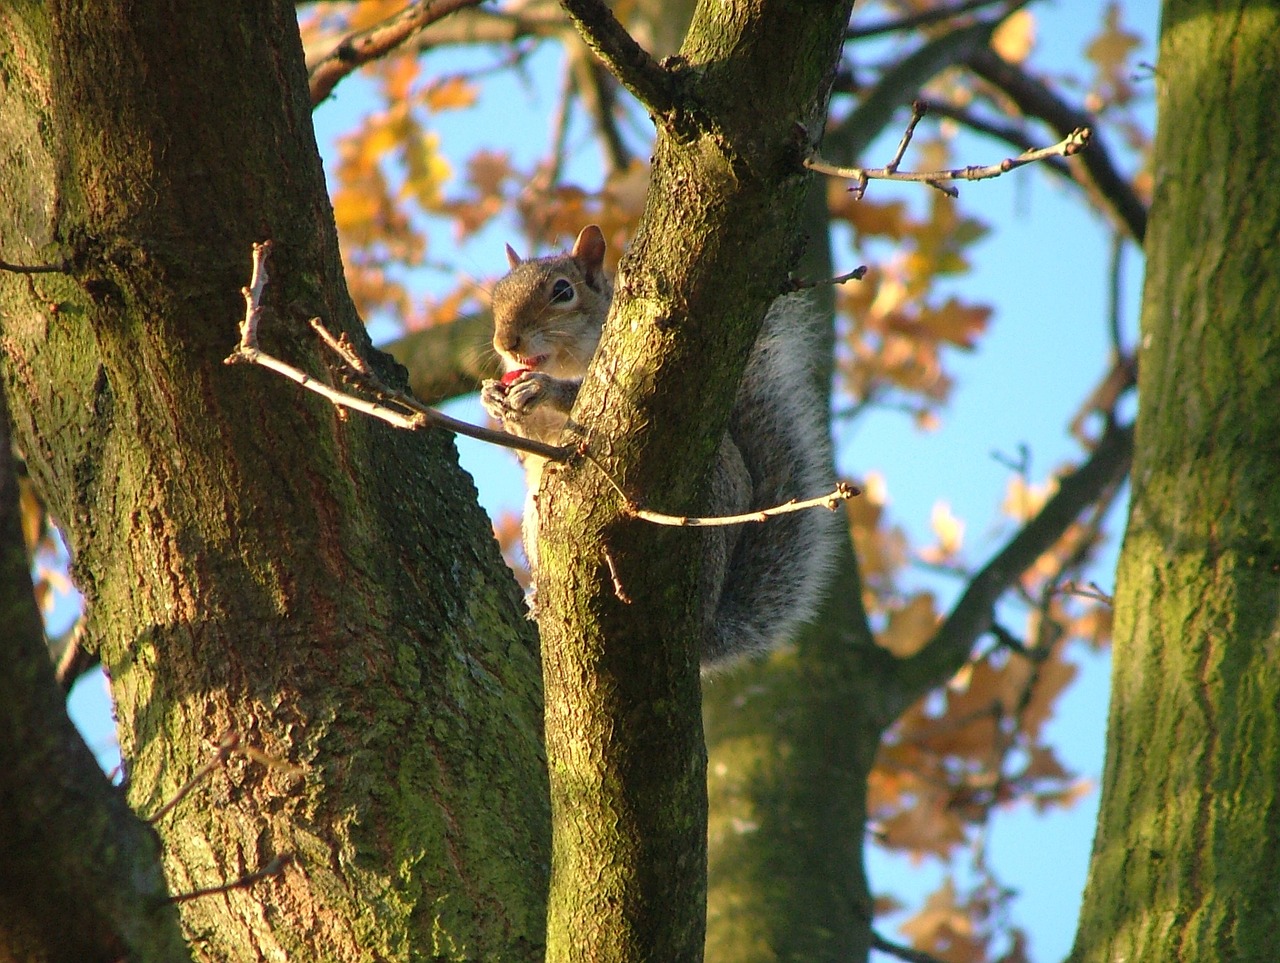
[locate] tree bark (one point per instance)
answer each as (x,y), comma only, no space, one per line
(619,631)
(325,589)
(80,875)
(1185,862)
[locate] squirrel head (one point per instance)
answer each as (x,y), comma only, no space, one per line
(548,312)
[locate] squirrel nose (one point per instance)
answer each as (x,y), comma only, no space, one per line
(506,341)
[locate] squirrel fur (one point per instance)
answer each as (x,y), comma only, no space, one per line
(760,581)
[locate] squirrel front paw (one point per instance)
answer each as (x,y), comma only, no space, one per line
(493,397)
(528,391)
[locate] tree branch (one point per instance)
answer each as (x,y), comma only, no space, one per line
(647,80)
(1036,99)
(924,18)
(401,410)
(1073,143)
(974,613)
(358,49)
(80,874)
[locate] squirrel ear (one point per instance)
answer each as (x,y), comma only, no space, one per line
(513,259)
(588,251)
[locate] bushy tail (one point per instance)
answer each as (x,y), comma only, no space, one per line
(779,569)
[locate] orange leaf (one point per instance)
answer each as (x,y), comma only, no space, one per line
(910,626)
(452,93)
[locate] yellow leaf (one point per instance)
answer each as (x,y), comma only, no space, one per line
(1021,500)
(948,528)
(910,626)
(452,93)
(369,13)
(1015,38)
(425,170)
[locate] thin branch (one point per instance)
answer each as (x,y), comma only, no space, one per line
(401,410)
(923,19)
(230,744)
(597,88)
(651,83)
(360,48)
(560,125)
(533,20)
(62,267)
(799,284)
(842,492)
(273,868)
(906,953)
(973,615)
(1036,99)
(1007,640)
(74,661)
(1115,295)
(918,110)
(618,590)
(391,409)
(1015,135)
(226,746)
(1073,143)
(1092,591)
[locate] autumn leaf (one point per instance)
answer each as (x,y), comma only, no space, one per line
(910,626)
(1015,38)
(451,93)
(956,323)
(1109,51)
(923,831)
(488,171)
(950,532)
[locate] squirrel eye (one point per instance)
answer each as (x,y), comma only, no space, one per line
(562,292)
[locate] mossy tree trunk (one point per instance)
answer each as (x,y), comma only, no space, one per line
(736,114)
(326,589)
(1186,863)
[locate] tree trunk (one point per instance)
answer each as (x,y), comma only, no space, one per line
(325,589)
(105,901)
(1186,863)
(717,238)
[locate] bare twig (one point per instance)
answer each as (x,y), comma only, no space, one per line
(1090,591)
(273,868)
(922,19)
(1036,99)
(226,746)
(1073,143)
(398,408)
(1014,134)
(401,410)
(918,110)
(618,590)
(360,48)
(63,267)
(799,284)
(842,492)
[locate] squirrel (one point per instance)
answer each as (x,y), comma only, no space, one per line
(760,581)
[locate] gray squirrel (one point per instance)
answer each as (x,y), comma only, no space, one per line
(760,581)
